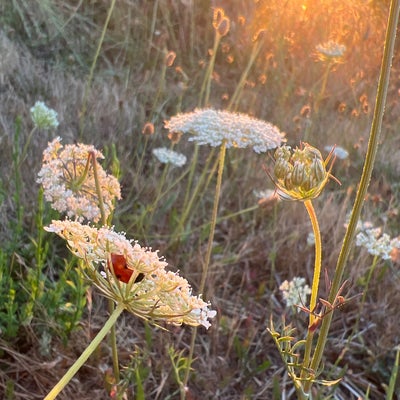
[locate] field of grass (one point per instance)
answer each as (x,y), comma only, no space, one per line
(114,72)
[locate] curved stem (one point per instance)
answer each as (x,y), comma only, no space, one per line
(314,289)
(364,181)
(86,354)
(318,257)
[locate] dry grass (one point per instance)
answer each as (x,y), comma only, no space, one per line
(46,54)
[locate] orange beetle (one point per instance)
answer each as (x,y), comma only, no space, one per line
(121,269)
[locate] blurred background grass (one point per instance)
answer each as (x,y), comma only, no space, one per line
(47,50)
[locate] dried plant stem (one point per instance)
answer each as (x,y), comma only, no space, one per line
(221,158)
(93,66)
(189,202)
(86,354)
(234,101)
(204,96)
(364,182)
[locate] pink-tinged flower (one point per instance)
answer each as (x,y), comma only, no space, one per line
(152,292)
(68,181)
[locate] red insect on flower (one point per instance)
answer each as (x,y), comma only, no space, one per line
(121,269)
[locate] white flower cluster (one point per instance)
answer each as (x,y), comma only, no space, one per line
(43,117)
(338,152)
(68,181)
(212,127)
(331,49)
(152,293)
(376,243)
(295,292)
(265,194)
(167,156)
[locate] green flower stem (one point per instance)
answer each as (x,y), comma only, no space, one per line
(393,376)
(98,189)
(318,258)
(214,216)
(205,87)
(314,289)
(364,181)
(370,272)
(233,103)
(86,354)
(189,202)
(111,306)
(26,146)
(221,158)
(323,85)
(113,343)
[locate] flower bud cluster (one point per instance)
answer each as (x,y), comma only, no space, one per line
(44,117)
(300,174)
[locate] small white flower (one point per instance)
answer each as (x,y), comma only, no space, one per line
(331,50)
(212,127)
(43,117)
(338,151)
(377,244)
(310,239)
(295,292)
(264,194)
(167,156)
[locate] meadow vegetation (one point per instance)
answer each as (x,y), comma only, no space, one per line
(115,72)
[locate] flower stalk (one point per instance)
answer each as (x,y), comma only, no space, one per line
(204,274)
(86,354)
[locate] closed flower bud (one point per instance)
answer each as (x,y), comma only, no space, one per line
(301,174)
(282,168)
(282,152)
(217,17)
(170,58)
(148,129)
(224,26)
(318,169)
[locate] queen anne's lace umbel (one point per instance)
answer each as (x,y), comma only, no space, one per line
(44,117)
(167,156)
(152,292)
(212,127)
(68,182)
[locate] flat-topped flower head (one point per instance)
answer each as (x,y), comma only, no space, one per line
(167,156)
(302,173)
(330,50)
(43,117)
(212,127)
(67,177)
(151,292)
